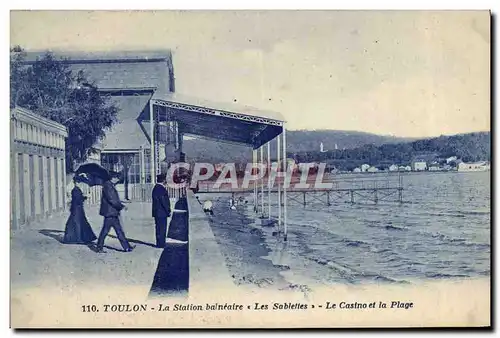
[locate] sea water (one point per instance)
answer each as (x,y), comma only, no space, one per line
(441,231)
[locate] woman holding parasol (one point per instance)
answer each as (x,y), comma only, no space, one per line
(78,229)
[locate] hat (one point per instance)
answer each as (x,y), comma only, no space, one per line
(114,174)
(80,179)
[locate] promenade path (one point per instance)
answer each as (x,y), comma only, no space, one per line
(39,259)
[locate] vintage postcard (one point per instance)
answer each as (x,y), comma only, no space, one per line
(250,169)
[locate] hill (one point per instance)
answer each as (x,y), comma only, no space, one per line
(467,147)
(298,141)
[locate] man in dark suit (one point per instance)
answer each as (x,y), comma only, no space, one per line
(110,209)
(161,210)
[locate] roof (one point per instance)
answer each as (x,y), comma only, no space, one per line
(30,117)
(127,134)
(223,122)
(103,56)
(121,70)
(219,106)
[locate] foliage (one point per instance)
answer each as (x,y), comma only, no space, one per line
(467,147)
(49,88)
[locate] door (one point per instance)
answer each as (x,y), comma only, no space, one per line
(22,204)
(57,184)
(49,183)
(40,184)
(32,185)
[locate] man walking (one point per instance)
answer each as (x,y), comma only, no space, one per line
(110,210)
(161,209)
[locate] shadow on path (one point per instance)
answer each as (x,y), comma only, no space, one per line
(136,241)
(58,235)
(172,274)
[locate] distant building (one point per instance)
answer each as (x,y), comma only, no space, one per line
(393,167)
(372,170)
(434,168)
(364,167)
(419,166)
(356,170)
(477,166)
(451,159)
(407,168)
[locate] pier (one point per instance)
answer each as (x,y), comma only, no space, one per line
(360,189)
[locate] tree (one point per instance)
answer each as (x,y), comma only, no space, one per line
(50,88)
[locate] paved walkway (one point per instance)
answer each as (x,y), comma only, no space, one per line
(39,259)
(208,270)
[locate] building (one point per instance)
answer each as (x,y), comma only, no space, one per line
(393,167)
(364,167)
(356,170)
(38,167)
(153,120)
(372,170)
(451,159)
(130,79)
(419,166)
(434,168)
(477,166)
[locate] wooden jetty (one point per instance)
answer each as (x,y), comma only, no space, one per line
(353,190)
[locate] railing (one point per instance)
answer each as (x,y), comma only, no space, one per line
(177,192)
(142,192)
(93,194)
(338,182)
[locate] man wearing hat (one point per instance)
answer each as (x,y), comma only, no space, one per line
(161,209)
(111,206)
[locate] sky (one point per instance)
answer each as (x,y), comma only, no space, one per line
(410,74)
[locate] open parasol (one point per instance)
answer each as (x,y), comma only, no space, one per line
(94,173)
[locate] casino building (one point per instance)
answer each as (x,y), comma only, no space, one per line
(153,119)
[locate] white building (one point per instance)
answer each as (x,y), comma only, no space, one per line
(451,159)
(477,166)
(356,170)
(364,167)
(372,170)
(434,168)
(419,166)
(393,167)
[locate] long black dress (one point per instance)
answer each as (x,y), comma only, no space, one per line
(78,229)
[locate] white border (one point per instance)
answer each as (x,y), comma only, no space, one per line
(185,4)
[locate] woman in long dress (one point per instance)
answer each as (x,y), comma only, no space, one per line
(78,229)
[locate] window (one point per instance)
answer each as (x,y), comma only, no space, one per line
(119,161)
